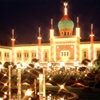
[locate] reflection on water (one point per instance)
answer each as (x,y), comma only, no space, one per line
(58,96)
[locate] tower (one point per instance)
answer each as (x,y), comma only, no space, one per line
(52,41)
(39,45)
(65,25)
(12,39)
(77,40)
(92,44)
(13,44)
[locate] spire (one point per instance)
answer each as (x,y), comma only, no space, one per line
(39,29)
(12,32)
(92,44)
(13,39)
(51,23)
(91,35)
(65,8)
(91,28)
(77,21)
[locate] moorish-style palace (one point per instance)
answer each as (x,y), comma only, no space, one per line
(67,47)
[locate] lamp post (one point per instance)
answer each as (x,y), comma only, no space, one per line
(42,90)
(19,81)
(10,81)
(90,65)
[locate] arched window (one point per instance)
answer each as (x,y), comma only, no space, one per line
(64,33)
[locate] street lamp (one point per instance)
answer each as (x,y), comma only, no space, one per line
(90,65)
(28,92)
(10,66)
(19,81)
(42,90)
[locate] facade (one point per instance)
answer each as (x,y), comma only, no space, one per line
(67,47)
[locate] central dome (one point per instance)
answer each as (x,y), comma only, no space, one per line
(65,23)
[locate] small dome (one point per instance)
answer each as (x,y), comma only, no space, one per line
(65,23)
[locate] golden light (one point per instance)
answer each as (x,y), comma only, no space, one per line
(75,63)
(61,98)
(1,66)
(50,79)
(61,87)
(5,93)
(5,74)
(37,65)
(18,66)
(25,65)
(5,96)
(5,84)
(28,92)
(90,64)
(49,64)
(62,64)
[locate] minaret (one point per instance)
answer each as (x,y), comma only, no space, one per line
(77,28)
(65,8)
(92,44)
(13,44)
(39,45)
(77,40)
(52,41)
(13,39)
(51,30)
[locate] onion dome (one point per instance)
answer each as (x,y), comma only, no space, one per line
(65,25)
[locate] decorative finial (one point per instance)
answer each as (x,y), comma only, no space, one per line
(39,30)
(91,27)
(77,21)
(12,31)
(65,8)
(51,22)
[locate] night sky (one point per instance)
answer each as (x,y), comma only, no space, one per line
(26,15)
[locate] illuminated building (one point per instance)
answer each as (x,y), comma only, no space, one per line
(67,47)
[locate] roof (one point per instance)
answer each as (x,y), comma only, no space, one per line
(5,47)
(43,44)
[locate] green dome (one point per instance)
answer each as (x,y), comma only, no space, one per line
(66,24)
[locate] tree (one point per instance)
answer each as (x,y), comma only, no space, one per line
(86,61)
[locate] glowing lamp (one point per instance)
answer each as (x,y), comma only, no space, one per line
(28,92)
(37,65)
(49,64)
(90,64)
(5,84)
(62,64)
(1,98)
(5,93)
(61,98)
(18,66)
(25,65)
(61,86)
(75,63)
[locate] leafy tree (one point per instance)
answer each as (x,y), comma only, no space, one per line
(86,61)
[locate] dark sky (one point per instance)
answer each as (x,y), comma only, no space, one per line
(26,15)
